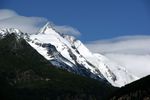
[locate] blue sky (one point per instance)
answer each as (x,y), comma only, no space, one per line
(95,19)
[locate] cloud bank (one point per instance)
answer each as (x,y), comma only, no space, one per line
(130,51)
(10,19)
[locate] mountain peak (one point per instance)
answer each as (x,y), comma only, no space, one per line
(46,27)
(66,52)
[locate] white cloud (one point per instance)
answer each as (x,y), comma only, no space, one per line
(130,51)
(139,65)
(10,19)
(7,14)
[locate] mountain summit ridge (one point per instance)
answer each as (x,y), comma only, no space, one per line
(68,53)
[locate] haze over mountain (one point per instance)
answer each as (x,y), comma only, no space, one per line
(131,51)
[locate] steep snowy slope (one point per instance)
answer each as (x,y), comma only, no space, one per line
(66,52)
(71,54)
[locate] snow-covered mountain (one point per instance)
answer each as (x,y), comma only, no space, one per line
(66,52)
